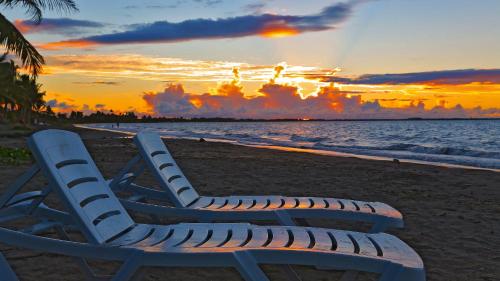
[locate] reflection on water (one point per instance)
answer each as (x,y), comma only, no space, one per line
(463,142)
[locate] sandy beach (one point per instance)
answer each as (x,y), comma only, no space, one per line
(451,215)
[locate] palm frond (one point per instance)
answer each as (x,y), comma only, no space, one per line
(15,42)
(66,6)
(34,7)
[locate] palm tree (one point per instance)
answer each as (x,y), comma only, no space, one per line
(29,98)
(20,94)
(8,76)
(14,41)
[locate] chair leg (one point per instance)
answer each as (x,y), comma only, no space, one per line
(139,275)
(290,273)
(128,268)
(82,263)
(248,267)
(7,272)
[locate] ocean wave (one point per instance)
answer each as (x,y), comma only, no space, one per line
(238,136)
(441,150)
(299,138)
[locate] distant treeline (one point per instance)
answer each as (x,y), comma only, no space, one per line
(131,117)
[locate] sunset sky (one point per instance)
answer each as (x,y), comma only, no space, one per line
(273,59)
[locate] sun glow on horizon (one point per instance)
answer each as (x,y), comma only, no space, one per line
(279,31)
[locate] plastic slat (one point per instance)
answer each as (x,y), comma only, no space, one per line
(188,196)
(366,247)
(259,237)
(239,235)
(304,203)
(231,204)
(290,202)
(323,240)
(344,243)
(73,172)
(180,234)
(218,202)
(275,202)
(98,207)
(301,238)
(261,203)
(199,235)
(202,202)
(86,190)
(319,203)
(280,237)
(160,235)
(246,203)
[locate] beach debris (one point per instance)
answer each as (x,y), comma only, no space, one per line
(396,161)
(202,140)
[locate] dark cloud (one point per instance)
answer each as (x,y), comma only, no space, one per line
(57,25)
(170,5)
(63,106)
(108,83)
(100,106)
(454,77)
(209,3)
(254,8)
(265,24)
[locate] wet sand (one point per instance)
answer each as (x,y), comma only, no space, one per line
(452,215)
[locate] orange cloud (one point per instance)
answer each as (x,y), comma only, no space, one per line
(261,90)
(67,44)
(282,100)
(22,26)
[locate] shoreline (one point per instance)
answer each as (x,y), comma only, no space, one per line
(311,151)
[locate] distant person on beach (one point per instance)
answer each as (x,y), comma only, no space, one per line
(118,124)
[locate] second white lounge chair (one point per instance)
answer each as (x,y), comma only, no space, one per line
(177,190)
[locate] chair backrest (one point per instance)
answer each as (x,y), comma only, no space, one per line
(72,173)
(166,171)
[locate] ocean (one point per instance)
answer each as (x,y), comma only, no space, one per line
(474,143)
